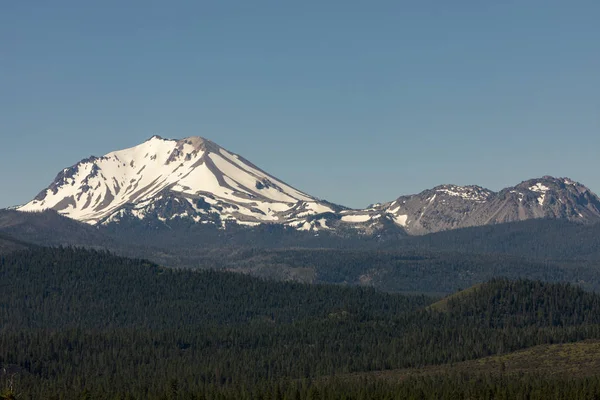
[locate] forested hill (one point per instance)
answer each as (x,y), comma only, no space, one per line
(547,239)
(408,271)
(9,244)
(77,323)
(67,287)
(505,303)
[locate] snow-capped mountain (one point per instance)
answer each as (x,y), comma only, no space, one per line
(165,179)
(196,180)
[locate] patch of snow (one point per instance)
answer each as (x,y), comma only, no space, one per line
(312,208)
(540,188)
(247,223)
(401,219)
(395,210)
(318,208)
(305,227)
(541,199)
(323,223)
(467,193)
(356,218)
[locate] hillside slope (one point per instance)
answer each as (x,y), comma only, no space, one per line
(133,328)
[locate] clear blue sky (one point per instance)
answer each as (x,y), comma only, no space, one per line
(352,101)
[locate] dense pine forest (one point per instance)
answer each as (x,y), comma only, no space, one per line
(407,271)
(85,324)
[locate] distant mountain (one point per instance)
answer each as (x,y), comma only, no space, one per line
(449,207)
(162,181)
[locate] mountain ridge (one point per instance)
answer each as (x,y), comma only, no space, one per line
(446,207)
(196,179)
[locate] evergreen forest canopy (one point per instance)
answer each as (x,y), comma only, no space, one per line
(440,263)
(85,324)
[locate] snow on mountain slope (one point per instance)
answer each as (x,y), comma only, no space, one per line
(195,179)
(192,177)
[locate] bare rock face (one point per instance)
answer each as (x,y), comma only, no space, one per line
(197,180)
(546,197)
(441,208)
(449,207)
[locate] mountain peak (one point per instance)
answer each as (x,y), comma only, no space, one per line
(547,182)
(199,143)
(195,176)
